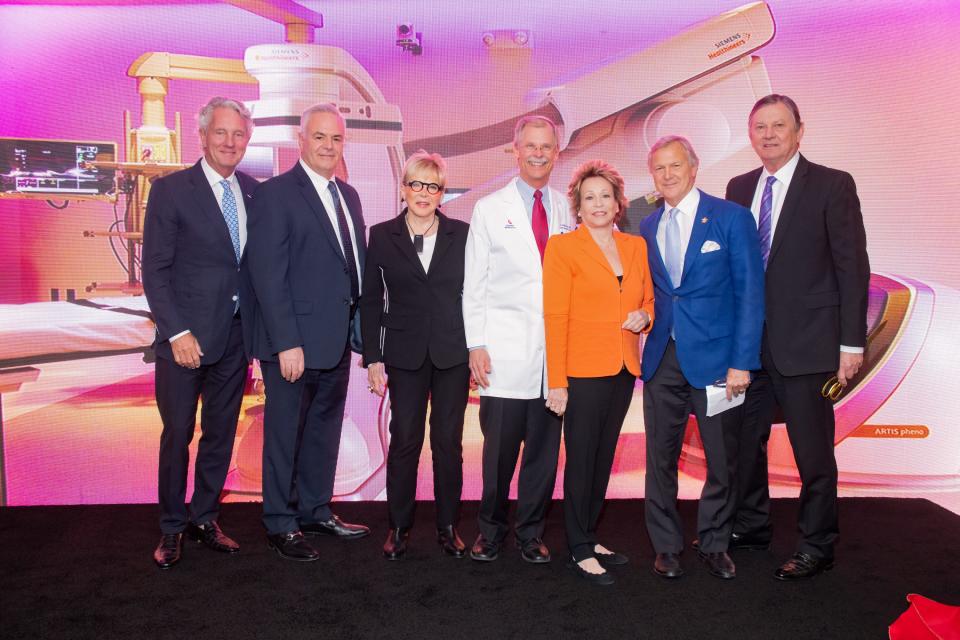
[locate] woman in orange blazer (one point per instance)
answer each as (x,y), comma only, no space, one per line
(598,298)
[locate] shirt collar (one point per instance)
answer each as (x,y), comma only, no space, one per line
(212,176)
(785,173)
(688,205)
(527,191)
(318,180)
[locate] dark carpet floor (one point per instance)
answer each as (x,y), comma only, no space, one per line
(86,572)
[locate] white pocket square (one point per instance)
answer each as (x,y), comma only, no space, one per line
(709,246)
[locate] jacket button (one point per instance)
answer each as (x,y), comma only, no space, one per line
(676,298)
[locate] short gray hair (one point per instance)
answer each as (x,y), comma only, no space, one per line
(534,121)
(322,107)
(206,112)
(668,140)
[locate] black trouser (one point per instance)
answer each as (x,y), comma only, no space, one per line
(506,423)
(811,428)
(178,390)
(596,408)
(447,391)
(668,400)
(302,422)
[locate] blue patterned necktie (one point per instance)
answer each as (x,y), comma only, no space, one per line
(347,240)
(765,223)
(674,259)
(229,206)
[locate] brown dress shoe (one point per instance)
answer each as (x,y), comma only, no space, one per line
(450,542)
(211,536)
(168,551)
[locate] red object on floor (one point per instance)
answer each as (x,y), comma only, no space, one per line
(926,618)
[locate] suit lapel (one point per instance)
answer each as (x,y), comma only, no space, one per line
(626,253)
(444,240)
(520,218)
(590,247)
(354,210)
(701,222)
(791,204)
(207,200)
(309,193)
(401,239)
(746,188)
(653,247)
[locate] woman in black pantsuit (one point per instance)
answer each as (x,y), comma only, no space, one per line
(413,343)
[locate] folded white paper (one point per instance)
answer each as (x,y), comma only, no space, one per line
(717,400)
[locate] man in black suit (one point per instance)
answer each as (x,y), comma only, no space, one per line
(193,241)
(817,275)
(307,242)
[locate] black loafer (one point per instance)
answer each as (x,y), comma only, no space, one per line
(534,551)
(335,527)
(719,564)
(169,550)
(396,545)
(292,546)
(211,536)
(612,559)
(484,550)
(802,566)
(450,542)
(667,565)
(604,579)
(749,541)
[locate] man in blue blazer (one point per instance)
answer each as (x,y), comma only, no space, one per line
(193,242)
(304,268)
(708,282)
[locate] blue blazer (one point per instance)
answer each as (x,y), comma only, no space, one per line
(190,274)
(717,311)
(297,287)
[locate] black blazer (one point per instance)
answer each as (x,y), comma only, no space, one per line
(818,272)
(190,272)
(297,287)
(406,313)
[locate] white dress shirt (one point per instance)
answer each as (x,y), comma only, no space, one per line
(429,244)
(320,184)
(688,213)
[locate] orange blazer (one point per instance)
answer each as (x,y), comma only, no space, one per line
(584,306)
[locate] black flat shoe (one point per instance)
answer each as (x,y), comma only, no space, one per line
(396,545)
(604,579)
(534,551)
(169,550)
(667,565)
(292,546)
(212,537)
(719,564)
(450,542)
(802,566)
(484,550)
(335,527)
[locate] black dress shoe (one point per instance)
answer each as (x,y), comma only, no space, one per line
(803,565)
(450,542)
(209,534)
(534,551)
(612,559)
(396,544)
(292,546)
(334,527)
(484,550)
(749,541)
(719,564)
(667,565)
(168,551)
(603,579)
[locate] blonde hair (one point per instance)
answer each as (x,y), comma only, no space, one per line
(421,160)
(597,169)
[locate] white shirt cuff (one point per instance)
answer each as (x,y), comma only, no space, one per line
(845,349)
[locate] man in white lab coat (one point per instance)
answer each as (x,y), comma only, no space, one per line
(503,318)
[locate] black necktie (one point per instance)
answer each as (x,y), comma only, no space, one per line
(347,242)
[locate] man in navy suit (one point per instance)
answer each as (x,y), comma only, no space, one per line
(193,242)
(304,267)
(708,282)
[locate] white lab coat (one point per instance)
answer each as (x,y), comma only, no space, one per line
(503,290)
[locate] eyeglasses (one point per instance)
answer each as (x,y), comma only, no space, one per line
(417,186)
